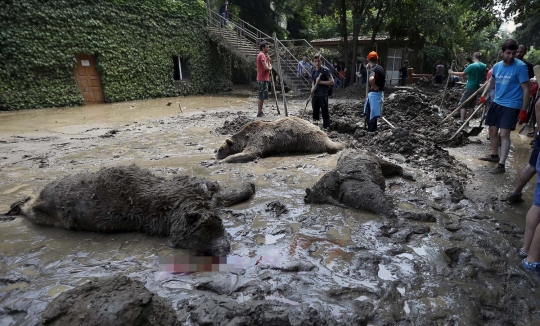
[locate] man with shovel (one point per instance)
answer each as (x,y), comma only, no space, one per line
(475,73)
(321,80)
(374,101)
(511,79)
(263,75)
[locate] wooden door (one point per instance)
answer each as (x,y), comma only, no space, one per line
(88,79)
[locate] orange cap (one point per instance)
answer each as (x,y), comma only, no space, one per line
(372,56)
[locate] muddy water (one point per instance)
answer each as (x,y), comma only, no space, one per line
(358,267)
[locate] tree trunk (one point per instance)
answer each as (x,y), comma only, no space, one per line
(343,8)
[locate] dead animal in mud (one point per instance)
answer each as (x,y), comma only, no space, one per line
(116,300)
(283,136)
(358,182)
(128,198)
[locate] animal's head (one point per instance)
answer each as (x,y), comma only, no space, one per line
(229,147)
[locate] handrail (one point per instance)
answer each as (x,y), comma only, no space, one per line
(248,33)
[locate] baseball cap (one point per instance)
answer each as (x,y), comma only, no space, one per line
(372,56)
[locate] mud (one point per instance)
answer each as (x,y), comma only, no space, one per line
(434,260)
(128,198)
(116,300)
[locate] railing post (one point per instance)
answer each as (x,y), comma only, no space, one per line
(280,73)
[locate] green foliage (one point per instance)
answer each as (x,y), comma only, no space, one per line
(133,40)
(533,56)
(528,33)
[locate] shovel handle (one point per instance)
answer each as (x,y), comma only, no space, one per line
(465,102)
(466,121)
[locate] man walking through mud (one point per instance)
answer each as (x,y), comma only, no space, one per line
(321,79)
(475,72)
(511,79)
(263,75)
(374,102)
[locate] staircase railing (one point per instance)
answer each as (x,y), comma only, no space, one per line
(247,32)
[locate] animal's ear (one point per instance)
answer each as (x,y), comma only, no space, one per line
(229,141)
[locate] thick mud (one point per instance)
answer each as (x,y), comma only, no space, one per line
(446,255)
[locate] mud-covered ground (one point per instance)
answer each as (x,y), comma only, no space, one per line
(447,257)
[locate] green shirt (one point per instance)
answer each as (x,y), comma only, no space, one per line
(475,73)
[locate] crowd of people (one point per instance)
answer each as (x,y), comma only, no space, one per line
(509,94)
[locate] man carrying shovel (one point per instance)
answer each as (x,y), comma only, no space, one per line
(475,73)
(374,101)
(511,79)
(321,79)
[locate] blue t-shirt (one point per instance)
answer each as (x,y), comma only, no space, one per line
(508,81)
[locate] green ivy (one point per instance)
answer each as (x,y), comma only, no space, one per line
(133,41)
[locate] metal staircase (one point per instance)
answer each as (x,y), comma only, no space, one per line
(243,40)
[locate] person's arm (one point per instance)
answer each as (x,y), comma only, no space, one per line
(266,64)
(489,86)
(537,113)
(328,82)
(456,73)
(526,95)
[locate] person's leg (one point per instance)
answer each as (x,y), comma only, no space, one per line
(368,114)
(494,135)
(373,125)
(259,107)
(505,145)
(463,114)
(531,225)
(325,113)
(525,175)
(315,105)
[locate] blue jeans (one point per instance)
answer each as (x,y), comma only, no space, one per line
(223,18)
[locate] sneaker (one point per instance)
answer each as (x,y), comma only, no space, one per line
(260,115)
(514,198)
(316,122)
(499,169)
(490,158)
(521,253)
(531,267)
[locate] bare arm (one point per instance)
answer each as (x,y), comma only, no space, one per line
(489,86)
(267,65)
(526,95)
(456,73)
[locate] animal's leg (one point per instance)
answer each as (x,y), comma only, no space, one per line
(241,158)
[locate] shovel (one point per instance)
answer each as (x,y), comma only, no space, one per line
(475,131)
(464,124)
(274,89)
(309,99)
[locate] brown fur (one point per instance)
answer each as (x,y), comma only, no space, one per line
(283,136)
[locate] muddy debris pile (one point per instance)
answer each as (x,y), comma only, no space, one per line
(128,198)
(234,125)
(117,300)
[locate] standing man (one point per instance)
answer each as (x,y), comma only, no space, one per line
(223,12)
(475,72)
(404,73)
(439,72)
(321,79)
(511,79)
(263,75)
(531,239)
(522,50)
(304,68)
(374,102)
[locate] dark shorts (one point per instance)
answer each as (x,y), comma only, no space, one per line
(535,151)
(263,90)
(438,79)
(502,117)
(536,199)
(466,95)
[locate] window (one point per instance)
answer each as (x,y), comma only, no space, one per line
(181,71)
(393,63)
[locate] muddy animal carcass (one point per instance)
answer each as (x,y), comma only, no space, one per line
(283,136)
(128,198)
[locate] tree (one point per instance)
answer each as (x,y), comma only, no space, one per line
(527,33)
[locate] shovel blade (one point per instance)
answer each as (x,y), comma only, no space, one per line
(475,131)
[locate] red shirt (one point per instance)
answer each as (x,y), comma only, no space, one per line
(262,74)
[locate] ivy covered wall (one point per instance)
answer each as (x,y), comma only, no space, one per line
(133,41)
